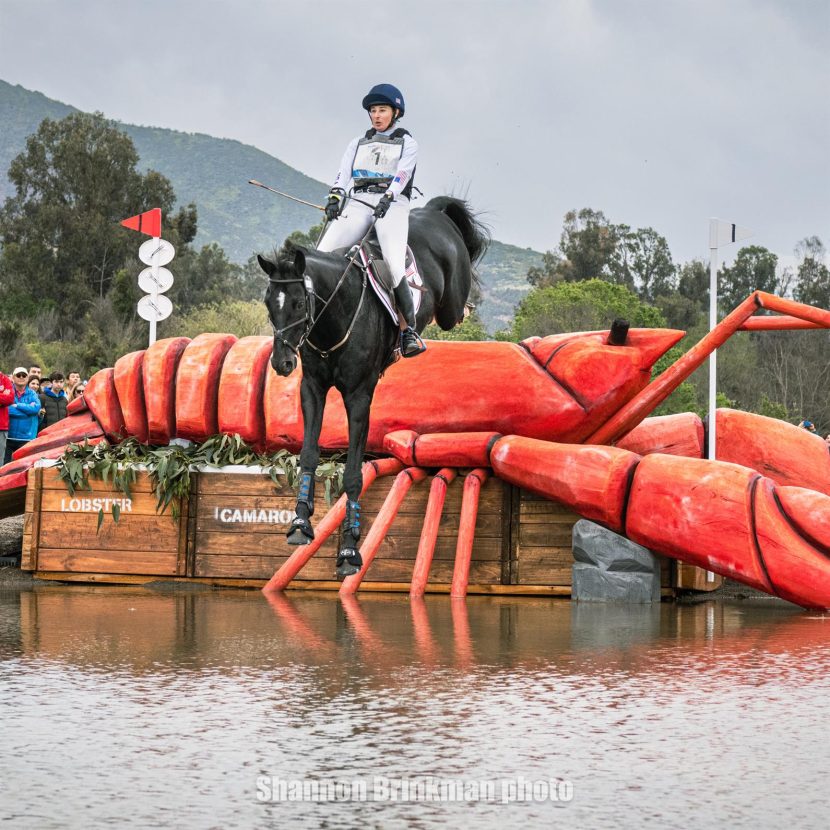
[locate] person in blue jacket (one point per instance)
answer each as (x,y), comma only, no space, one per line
(23,413)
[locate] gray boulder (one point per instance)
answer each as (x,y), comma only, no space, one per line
(610,568)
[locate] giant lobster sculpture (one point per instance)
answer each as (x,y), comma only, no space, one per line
(560,415)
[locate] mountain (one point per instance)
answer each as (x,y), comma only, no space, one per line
(213,173)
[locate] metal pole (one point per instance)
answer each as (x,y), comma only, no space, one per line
(713,321)
(155,292)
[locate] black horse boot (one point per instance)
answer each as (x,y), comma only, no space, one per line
(411,343)
(301,532)
(349,560)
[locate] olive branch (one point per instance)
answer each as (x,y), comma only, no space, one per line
(170,468)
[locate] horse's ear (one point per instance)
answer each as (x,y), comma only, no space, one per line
(266,265)
(299,262)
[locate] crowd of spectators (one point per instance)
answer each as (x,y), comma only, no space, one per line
(30,402)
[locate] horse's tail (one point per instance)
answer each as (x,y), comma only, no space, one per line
(476,234)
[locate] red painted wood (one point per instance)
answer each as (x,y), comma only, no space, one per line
(129,384)
(469,449)
(242,387)
(70,430)
(698,511)
(798,571)
(787,454)
(101,397)
(809,512)
(161,360)
(383,521)
(197,386)
(680,434)
(466,532)
(328,525)
(593,481)
(429,532)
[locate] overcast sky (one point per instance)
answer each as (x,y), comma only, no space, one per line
(659,113)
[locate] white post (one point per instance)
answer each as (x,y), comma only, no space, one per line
(713,321)
(155,292)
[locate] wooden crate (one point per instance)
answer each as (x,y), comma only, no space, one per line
(238,523)
(61,531)
(232,531)
(542,543)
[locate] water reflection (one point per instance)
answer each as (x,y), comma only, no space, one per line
(190,696)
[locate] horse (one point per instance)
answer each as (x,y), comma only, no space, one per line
(321,310)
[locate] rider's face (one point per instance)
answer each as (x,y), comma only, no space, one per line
(381,115)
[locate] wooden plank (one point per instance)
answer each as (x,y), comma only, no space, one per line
(691,578)
(411,524)
(320,566)
(544,573)
(546,511)
(510,573)
(59,501)
(32,521)
(181,547)
(110,561)
(136,533)
(485,549)
(244,484)
(490,499)
(545,535)
(552,555)
(250,544)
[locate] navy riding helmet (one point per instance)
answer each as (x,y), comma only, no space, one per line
(384,94)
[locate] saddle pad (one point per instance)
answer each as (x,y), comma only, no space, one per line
(412,277)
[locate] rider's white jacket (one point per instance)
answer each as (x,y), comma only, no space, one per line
(404,167)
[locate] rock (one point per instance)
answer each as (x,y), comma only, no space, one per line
(610,568)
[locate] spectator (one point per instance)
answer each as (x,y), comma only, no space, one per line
(45,384)
(6,400)
(72,380)
(54,401)
(808,425)
(35,370)
(78,391)
(22,414)
(34,383)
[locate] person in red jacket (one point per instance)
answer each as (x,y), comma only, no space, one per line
(6,400)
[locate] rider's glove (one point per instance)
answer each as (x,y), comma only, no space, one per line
(383,206)
(334,205)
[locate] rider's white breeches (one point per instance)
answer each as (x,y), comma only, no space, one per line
(392,230)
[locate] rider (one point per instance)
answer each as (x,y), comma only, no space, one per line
(378,169)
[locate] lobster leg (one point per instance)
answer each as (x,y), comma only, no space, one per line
(716,515)
(429,532)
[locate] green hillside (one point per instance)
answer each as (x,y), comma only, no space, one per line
(213,173)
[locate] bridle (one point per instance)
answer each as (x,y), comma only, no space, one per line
(310,319)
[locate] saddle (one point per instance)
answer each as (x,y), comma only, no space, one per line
(380,277)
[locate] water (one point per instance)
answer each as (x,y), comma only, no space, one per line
(127,706)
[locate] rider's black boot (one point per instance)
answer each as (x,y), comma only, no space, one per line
(411,343)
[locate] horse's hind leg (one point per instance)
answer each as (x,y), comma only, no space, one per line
(349,560)
(313,401)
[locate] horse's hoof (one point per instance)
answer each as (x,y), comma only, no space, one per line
(301,532)
(349,562)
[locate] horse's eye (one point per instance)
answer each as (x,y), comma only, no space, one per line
(298,305)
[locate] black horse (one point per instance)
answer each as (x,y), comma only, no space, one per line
(326,313)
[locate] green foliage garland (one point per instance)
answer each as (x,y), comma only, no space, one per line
(169,467)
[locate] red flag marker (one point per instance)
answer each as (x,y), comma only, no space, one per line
(148,222)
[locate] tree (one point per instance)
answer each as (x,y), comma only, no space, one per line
(753,270)
(813,276)
(62,243)
(582,306)
(642,261)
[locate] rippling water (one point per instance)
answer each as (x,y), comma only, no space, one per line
(155,709)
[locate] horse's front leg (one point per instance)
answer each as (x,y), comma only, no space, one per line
(313,401)
(358,404)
